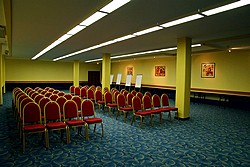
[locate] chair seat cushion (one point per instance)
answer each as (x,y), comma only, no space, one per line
(93,120)
(112,105)
(143,113)
(101,102)
(56,125)
(34,128)
(170,108)
(126,109)
(75,122)
(156,111)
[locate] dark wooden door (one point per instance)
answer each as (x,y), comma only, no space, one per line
(94,78)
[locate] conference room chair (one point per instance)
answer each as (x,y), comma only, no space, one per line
(72,89)
(156,102)
(53,97)
(61,101)
(38,98)
(31,122)
(148,94)
(99,99)
(53,120)
(33,95)
(83,92)
(166,104)
(43,101)
(133,92)
(68,96)
(129,98)
(140,95)
(55,92)
(48,94)
(138,110)
(88,114)
(61,93)
(122,106)
(109,103)
(90,94)
(147,106)
(72,118)
(77,91)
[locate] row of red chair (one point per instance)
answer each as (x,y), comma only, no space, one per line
(47,114)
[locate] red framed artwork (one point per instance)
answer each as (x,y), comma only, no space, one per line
(160,70)
(208,70)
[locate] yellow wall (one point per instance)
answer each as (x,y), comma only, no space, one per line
(146,68)
(28,70)
(232,71)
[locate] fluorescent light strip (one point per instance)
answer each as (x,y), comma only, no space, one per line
(149,30)
(227,7)
(141,53)
(182,20)
(112,6)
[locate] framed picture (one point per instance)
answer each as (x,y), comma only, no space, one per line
(207,70)
(129,70)
(159,70)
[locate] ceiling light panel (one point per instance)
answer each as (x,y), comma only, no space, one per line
(76,29)
(115,4)
(93,18)
(152,29)
(227,7)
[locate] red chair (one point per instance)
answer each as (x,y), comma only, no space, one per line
(48,94)
(133,92)
(34,95)
(166,105)
(68,96)
(43,92)
(53,97)
(147,106)
(156,102)
(99,99)
(78,101)
(38,98)
(90,94)
(137,110)
(122,106)
(55,92)
(32,122)
(43,101)
(61,93)
(53,121)
(77,91)
(125,93)
(72,89)
(61,100)
(148,94)
(109,102)
(72,119)
(88,114)
(129,99)
(139,94)
(83,92)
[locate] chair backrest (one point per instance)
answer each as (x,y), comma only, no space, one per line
(121,100)
(133,92)
(52,111)
(31,92)
(156,101)
(27,90)
(34,95)
(38,98)
(164,100)
(61,100)
(55,92)
(31,113)
(99,88)
(43,92)
(72,89)
(53,97)
(146,102)
(70,109)
(68,96)
(129,99)
(43,101)
(116,93)
(51,90)
(87,108)
(83,92)
(77,91)
(148,94)
(61,93)
(78,101)
(23,103)
(98,96)
(139,94)
(125,93)
(92,87)
(136,103)
(90,94)
(108,97)
(48,94)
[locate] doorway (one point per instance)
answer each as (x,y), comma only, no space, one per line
(94,78)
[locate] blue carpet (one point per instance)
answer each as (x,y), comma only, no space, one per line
(213,136)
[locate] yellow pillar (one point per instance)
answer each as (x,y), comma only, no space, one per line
(4,87)
(106,66)
(1,75)
(183,77)
(76,73)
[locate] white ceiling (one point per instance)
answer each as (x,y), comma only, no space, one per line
(36,24)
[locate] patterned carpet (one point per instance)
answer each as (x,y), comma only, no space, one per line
(213,136)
